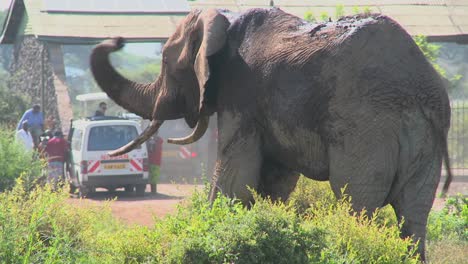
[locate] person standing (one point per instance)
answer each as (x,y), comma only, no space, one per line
(57,152)
(24,136)
(35,120)
(102,109)
(154,156)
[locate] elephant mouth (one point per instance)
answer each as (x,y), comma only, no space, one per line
(197,133)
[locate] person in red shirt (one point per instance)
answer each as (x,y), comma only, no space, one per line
(155,155)
(56,151)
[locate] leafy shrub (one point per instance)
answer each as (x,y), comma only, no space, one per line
(309,16)
(309,192)
(447,232)
(324,16)
(328,232)
(451,223)
(354,238)
(16,161)
(30,231)
(12,103)
(339,11)
(367,10)
(42,226)
(227,232)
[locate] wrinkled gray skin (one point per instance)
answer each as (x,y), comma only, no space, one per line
(354,102)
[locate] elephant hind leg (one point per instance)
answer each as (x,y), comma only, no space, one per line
(413,202)
(418,175)
(276,181)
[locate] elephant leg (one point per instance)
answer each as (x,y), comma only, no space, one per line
(413,201)
(364,162)
(277,181)
(239,162)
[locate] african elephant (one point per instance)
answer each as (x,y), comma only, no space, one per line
(354,102)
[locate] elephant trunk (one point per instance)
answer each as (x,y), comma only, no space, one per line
(197,133)
(135,97)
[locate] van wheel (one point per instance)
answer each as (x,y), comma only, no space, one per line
(83,191)
(72,188)
(129,188)
(140,189)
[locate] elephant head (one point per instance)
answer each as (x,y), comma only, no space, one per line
(181,89)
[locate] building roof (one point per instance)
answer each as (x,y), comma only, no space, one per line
(440,20)
(72,26)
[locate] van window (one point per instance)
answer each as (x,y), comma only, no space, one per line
(110,137)
(76,139)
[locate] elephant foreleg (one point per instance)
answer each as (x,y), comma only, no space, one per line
(238,166)
(277,181)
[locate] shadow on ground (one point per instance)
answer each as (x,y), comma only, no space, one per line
(101,195)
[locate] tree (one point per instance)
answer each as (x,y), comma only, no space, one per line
(432,51)
(12,105)
(80,79)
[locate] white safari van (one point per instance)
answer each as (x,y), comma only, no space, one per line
(90,167)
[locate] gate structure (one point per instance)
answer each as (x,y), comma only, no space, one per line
(38,29)
(458,139)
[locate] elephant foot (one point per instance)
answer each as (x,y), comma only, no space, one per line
(276,181)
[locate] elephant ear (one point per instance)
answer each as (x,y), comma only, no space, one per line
(212,33)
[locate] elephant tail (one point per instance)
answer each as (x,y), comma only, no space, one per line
(446,157)
(441,135)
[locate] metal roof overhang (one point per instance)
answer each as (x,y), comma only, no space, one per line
(12,22)
(66,40)
(460,39)
(18,11)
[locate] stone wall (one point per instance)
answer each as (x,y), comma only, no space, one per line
(36,75)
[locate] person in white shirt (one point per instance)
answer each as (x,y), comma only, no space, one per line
(24,136)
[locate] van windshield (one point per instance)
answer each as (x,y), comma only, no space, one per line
(110,137)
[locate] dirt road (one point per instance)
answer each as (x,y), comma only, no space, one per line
(143,210)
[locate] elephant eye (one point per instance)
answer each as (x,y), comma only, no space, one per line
(164,60)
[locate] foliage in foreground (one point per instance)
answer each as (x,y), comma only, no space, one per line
(41,226)
(15,161)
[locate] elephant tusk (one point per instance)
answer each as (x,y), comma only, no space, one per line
(197,133)
(147,133)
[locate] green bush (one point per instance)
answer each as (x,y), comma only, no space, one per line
(447,232)
(42,226)
(12,103)
(354,238)
(16,161)
(227,232)
(339,11)
(451,223)
(309,192)
(309,16)
(31,230)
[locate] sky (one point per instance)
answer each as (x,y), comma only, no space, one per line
(4,4)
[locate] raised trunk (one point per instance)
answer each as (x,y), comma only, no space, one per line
(135,97)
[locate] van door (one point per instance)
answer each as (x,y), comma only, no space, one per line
(105,138)
(76,154)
